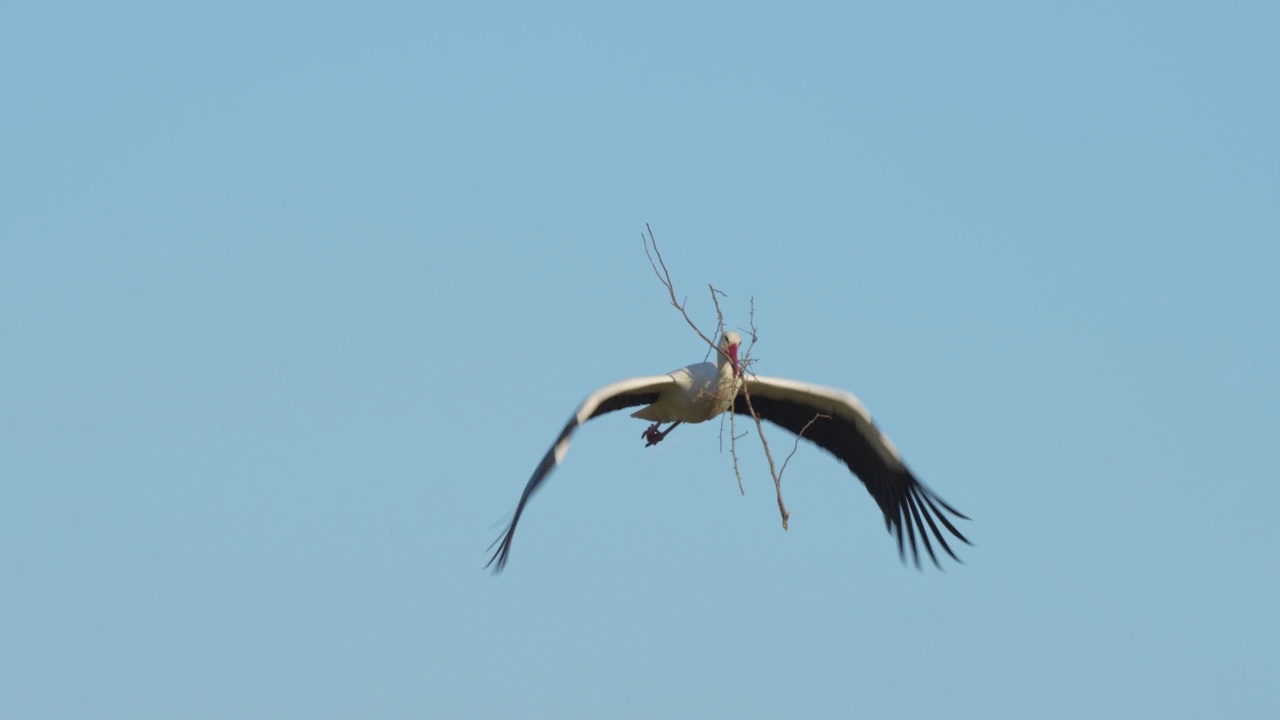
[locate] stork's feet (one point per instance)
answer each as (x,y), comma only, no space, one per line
(653,437)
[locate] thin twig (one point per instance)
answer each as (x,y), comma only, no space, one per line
(664,276)
(745,362)
(764,442)
(719,315)
(796,446)
(777,479)
(733,451)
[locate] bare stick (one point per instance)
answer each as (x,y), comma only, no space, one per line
(777,479)
(796,446)
(733,452)
(764,442)
(664,276)
(719,315)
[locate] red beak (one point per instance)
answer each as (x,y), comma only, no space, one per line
(733,358)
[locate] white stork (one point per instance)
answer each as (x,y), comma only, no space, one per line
(837,422)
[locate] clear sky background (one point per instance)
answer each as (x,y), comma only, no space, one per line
(293,298)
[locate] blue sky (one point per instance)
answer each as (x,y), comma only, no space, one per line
(295,296)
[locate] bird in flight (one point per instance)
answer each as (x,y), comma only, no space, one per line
(834,420)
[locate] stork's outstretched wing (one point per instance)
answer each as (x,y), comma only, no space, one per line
(842,426)
(616,396)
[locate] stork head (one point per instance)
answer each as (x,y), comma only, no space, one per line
(729,343)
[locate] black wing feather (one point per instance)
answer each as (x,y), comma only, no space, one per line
(842,431)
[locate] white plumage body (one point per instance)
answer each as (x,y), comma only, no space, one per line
(698,393)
